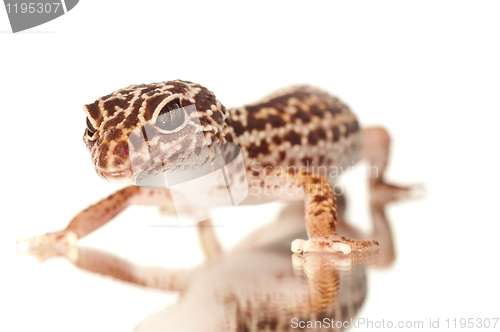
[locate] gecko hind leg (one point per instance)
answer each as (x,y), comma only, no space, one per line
(375,149)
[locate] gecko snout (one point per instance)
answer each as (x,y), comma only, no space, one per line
(112,161)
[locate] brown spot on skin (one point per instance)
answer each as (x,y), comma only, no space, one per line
(114,122)
(205,120)
(259,124)
(102,159)
(113,134)
(132,119)
(334,110)
(307,160)
(218,117)
(276,140)
(282,155)
(292,171)
(321,159)
(179,87)
(293,137)
(152,103)
(315,110)
(321,132)
(319,198)
(276,121)
(313,138)
(254,150)
(336,134)
(111,105)
(237,126)
(300,114)
(267,166)
(153,91)
(121,150)
(94,111)
(204,100)
(118,162)
(255,173)
(229,138)
(272,323)
(316,180)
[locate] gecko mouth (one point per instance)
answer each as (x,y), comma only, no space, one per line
(129,174)
(125,175)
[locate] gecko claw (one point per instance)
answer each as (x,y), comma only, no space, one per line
(66,238)
(334,243)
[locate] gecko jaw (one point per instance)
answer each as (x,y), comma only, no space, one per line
(116,176)
(128,174)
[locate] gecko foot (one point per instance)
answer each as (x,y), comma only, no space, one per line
(66,238)
(333,243)
(382,192)
(46,252)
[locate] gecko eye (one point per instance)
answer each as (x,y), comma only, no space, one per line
(172,117)
(91,131)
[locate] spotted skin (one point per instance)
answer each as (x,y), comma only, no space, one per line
(291,140)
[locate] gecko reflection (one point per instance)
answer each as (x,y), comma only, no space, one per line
(259,286)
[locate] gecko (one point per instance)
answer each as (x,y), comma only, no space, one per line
(284,139)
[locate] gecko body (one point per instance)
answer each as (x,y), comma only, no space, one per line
(293,138)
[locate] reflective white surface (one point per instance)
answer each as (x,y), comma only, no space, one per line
(428,72)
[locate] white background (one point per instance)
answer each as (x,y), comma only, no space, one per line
(427,71)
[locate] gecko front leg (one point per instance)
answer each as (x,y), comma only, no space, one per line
(92,218)
(321,214)
(104,211)
(321,218)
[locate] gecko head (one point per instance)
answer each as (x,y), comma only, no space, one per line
(142,130)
